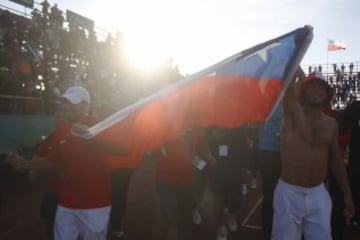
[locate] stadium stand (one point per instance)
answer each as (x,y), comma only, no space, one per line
(343,77)
(43,54)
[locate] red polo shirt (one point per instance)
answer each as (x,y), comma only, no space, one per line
(128,161)
(85,179)
(174,165)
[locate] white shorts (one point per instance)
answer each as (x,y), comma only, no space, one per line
(300,210)
(89,224)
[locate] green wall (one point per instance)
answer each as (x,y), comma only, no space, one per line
(23,130)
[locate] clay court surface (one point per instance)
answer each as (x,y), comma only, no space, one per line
(20,216)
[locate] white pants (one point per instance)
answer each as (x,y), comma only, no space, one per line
(88,224)
(299,210)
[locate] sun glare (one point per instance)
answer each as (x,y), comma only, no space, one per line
(145,52)
(178,32)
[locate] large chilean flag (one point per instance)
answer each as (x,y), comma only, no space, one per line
(242,88)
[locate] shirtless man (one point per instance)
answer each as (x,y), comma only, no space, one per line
(309,144)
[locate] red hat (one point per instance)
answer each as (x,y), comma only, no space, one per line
(316,76)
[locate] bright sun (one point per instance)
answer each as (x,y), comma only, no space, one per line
(145,52)
(154,31)
(159,35)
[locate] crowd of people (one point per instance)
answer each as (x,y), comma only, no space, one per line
(344,79)
(300,156)
(77,201)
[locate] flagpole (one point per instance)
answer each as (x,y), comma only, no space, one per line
(327,62)
(327,59)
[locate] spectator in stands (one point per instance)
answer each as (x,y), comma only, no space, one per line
(351,68)
(54,16)
(36,17)
(309,143)
(270,166)
(351,99)
(335,68)
(342,69)
(5,20)
(339,76)
(45,8)
(54,11)
(10,39)
(59,20)
(320,68)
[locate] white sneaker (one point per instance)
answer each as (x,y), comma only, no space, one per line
(230,220)
(253,184)
(355,224)
(118,234)
(231,223)
(244,189)
(222,233)
(196,217)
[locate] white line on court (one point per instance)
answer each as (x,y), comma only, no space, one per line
(252,227)
(243,224)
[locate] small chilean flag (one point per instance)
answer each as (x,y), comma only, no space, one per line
(335,45)
(245,87)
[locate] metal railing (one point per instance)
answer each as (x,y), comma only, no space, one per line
(327,69)
(100,31)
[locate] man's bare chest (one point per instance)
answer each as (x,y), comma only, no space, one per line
(320,132)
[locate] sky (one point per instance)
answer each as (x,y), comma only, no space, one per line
(199,33)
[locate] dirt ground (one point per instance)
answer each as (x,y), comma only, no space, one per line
(20,219)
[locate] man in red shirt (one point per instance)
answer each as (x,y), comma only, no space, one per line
(84,195)
(84,203)
(174,179)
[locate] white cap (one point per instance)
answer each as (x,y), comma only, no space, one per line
(77,94)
